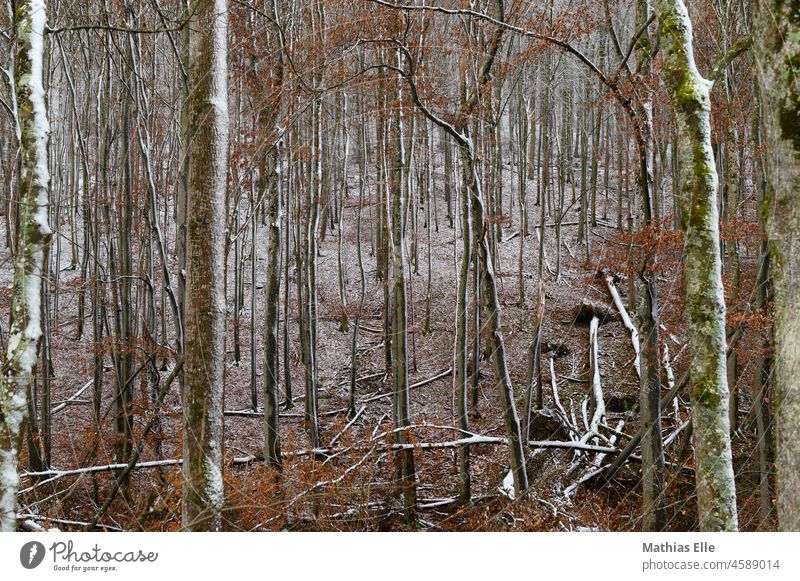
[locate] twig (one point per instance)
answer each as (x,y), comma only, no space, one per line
(137,452)
(350,423)
(419,384)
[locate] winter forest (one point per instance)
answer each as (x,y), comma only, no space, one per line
(395,265)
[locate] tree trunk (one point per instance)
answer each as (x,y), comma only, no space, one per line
(272,187)
(460,373)
(777,37)
(705,301)
(645,288)
(33,237)
(203,492)
(405,458)
(272,447)
(496,344)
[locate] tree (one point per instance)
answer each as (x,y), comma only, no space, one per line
(432,110)
(271,178)
(203,384)
(472,196)
(777,30)
(397,229)
(705,300)
(33,238)
(653,517)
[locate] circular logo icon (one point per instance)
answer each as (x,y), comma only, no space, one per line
(31,554)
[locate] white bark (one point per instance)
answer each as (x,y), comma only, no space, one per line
(705,301)
(626,320)
(599,406)
(34,235)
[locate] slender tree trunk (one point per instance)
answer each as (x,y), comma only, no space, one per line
(272,187)
(362,279)
(405,458)
(182,191)
(496,344)
(645,288)
(448,177)
(272,447)
(653,516)
(460,374)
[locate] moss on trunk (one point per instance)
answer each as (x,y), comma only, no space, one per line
(203,494)
(33,237)
(777,47)
(705,302)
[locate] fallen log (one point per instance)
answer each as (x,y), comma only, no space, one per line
(588,310)
(598,402)
(626,320)
(471,439)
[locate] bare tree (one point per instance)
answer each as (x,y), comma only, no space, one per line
(204,368)
(397,255)
(778,55)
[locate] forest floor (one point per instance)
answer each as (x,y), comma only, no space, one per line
(352,488)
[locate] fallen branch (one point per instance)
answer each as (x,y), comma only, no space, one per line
(364,378)
(585,478)
(62,521)
(626,320)
(30,526)
(669,439)
(63,405)
(599,406)
(54,474)
(350,423)
(423,383)
(379,424)
(259,413)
